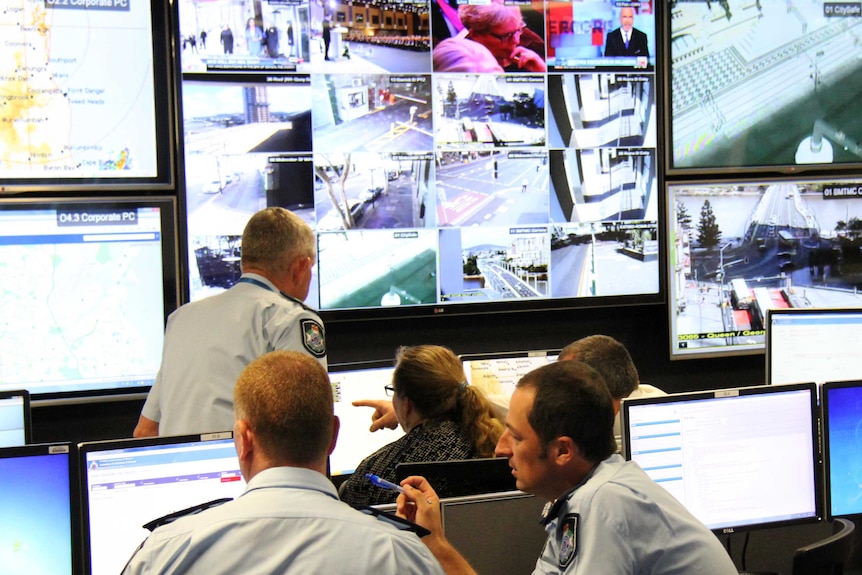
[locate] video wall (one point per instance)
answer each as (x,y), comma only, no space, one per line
(450,156)
(761,166)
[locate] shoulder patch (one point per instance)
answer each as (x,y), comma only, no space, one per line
(313,339)
(568,539)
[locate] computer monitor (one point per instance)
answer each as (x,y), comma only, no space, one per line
(350,382)
(127,483)
(459,477)
(805,344)
(15,419)
(841,413)
(496,374)
(498,533)
(738,459)
(39,515)
(87,286)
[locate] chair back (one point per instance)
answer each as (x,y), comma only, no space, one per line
(827,556)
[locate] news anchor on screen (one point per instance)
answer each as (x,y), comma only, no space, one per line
(626,40)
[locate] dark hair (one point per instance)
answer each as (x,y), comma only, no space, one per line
(610,358)
(572,400)
(286,398)
(432,377)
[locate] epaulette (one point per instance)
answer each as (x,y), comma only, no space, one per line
(171,517)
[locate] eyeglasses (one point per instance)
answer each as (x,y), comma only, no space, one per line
(390,391)
(508,35)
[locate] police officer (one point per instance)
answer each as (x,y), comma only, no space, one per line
(289,518)
(607,515)
(210,341)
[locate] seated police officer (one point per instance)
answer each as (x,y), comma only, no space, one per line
(606,516)
(289,518)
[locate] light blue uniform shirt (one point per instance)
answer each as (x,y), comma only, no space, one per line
(288,520)
(209,342)
(619,522)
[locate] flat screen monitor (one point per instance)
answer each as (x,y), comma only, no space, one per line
(15,418)
(508,544)
(762,85)
(40,511)
(352,382)
(127,483)
(813,344)
(841,404)
(497,374)
(740,248)
(87,287)
(727,454)
(87,97)
(434,187)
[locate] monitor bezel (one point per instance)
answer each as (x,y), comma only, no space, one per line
(817,468)
(171,276)
(825,390)
(28,415)
(59,448)
(87,447)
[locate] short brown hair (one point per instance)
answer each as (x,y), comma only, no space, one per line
(286,398)
(273,238)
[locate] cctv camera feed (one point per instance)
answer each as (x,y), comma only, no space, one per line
(739,249)
(413,137)
(765,83)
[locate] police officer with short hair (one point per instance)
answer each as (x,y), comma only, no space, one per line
(210,341)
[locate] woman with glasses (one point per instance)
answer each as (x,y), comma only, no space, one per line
(501,30)
(443,419)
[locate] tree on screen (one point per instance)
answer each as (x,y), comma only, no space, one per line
(708,233)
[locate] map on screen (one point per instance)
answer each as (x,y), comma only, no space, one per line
(77,89)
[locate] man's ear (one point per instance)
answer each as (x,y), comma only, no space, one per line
(564,450)
(336,425)
(244,440)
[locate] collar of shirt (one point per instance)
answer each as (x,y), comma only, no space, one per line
(293,477)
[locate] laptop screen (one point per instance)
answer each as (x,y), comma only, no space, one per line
(15,422)
(351,382)
(127,483)
(38,527)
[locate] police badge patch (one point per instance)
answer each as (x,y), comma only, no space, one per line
(568,540)
(312,337)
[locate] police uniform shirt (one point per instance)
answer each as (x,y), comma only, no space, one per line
(619,521)
(209,342)
(288,520)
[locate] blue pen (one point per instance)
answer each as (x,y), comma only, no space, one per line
(380,482)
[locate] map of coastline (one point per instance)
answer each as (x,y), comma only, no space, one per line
(76,89)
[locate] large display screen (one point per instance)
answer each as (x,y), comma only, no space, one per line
(87,286)
(85,96)
(723,453)
(443,168)
(739,248)
(763,85)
